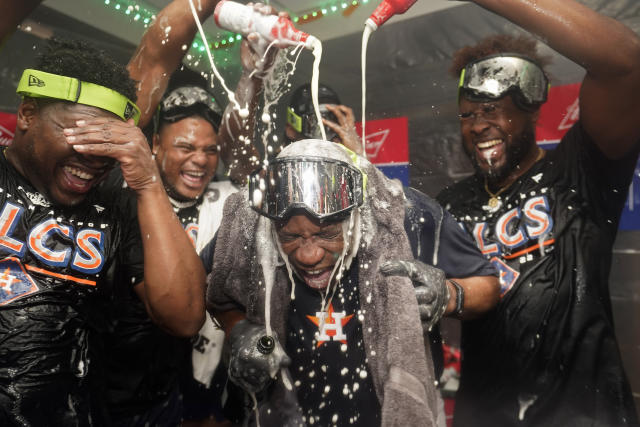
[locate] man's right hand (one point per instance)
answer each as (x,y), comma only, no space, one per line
(250,368)
(345,128)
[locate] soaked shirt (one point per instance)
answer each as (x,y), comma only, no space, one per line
(143,361)
(329,367)
(547,355)
(56,268)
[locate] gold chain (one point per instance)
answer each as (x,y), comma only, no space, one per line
(494,201)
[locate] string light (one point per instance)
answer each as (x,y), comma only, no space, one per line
(344,7)
(144,14)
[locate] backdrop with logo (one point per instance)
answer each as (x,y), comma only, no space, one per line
(387,146)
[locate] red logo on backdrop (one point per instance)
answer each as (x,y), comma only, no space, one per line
(559,113)
(7,128)
(387,140)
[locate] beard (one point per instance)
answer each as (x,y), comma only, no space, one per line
(520,145)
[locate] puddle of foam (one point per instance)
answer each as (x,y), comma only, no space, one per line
(365,41)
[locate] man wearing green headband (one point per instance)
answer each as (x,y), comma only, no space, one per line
(547,355)
(64,240)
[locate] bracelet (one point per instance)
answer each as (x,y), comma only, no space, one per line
(459,298)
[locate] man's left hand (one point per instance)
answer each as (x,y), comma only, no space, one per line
(430,286)
(122,141)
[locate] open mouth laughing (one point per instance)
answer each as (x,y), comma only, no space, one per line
(317,279)
(80,180)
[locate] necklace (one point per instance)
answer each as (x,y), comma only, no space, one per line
(495,202)
(182,205)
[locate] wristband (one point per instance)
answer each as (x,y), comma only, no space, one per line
(459,298)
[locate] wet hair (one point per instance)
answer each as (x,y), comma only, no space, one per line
(83,61)
(499,43)
(185,76)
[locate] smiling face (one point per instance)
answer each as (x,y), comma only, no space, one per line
(187,156)
(42,155)
(496,135)
(313,248)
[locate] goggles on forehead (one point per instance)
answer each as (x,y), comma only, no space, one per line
(188,100)
(38,84)
(494,76)
(307,124)
(319,186)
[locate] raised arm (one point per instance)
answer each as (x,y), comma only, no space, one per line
(173,288)
(608,50)
(160,51)
(236,133)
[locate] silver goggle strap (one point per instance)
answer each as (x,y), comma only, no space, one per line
(492,77)
(322,187)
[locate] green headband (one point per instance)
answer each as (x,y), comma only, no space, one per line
(38,84)
(294,120)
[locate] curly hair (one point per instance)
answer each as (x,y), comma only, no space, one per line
(83,61)
(499,43)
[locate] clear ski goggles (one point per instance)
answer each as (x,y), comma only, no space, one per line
(321,187)
(494,76)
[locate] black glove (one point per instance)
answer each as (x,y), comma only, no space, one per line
(430,286)
(251,365)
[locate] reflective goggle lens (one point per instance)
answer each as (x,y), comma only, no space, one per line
(322,187)
(492,77)
(187,96)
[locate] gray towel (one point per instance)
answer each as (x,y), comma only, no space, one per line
(398,356)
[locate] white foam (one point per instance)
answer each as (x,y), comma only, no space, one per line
(317,53)
(230,94)
(363,63)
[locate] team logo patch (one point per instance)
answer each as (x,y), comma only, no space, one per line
(34,81)
(330,325)
(15,283)
(507,275)
(129,111)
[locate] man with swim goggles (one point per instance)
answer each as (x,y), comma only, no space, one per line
(547,219)
(64,232)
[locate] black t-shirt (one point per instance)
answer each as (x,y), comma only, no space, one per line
(329,367)
(547,354)
(143,362)
(56,268)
